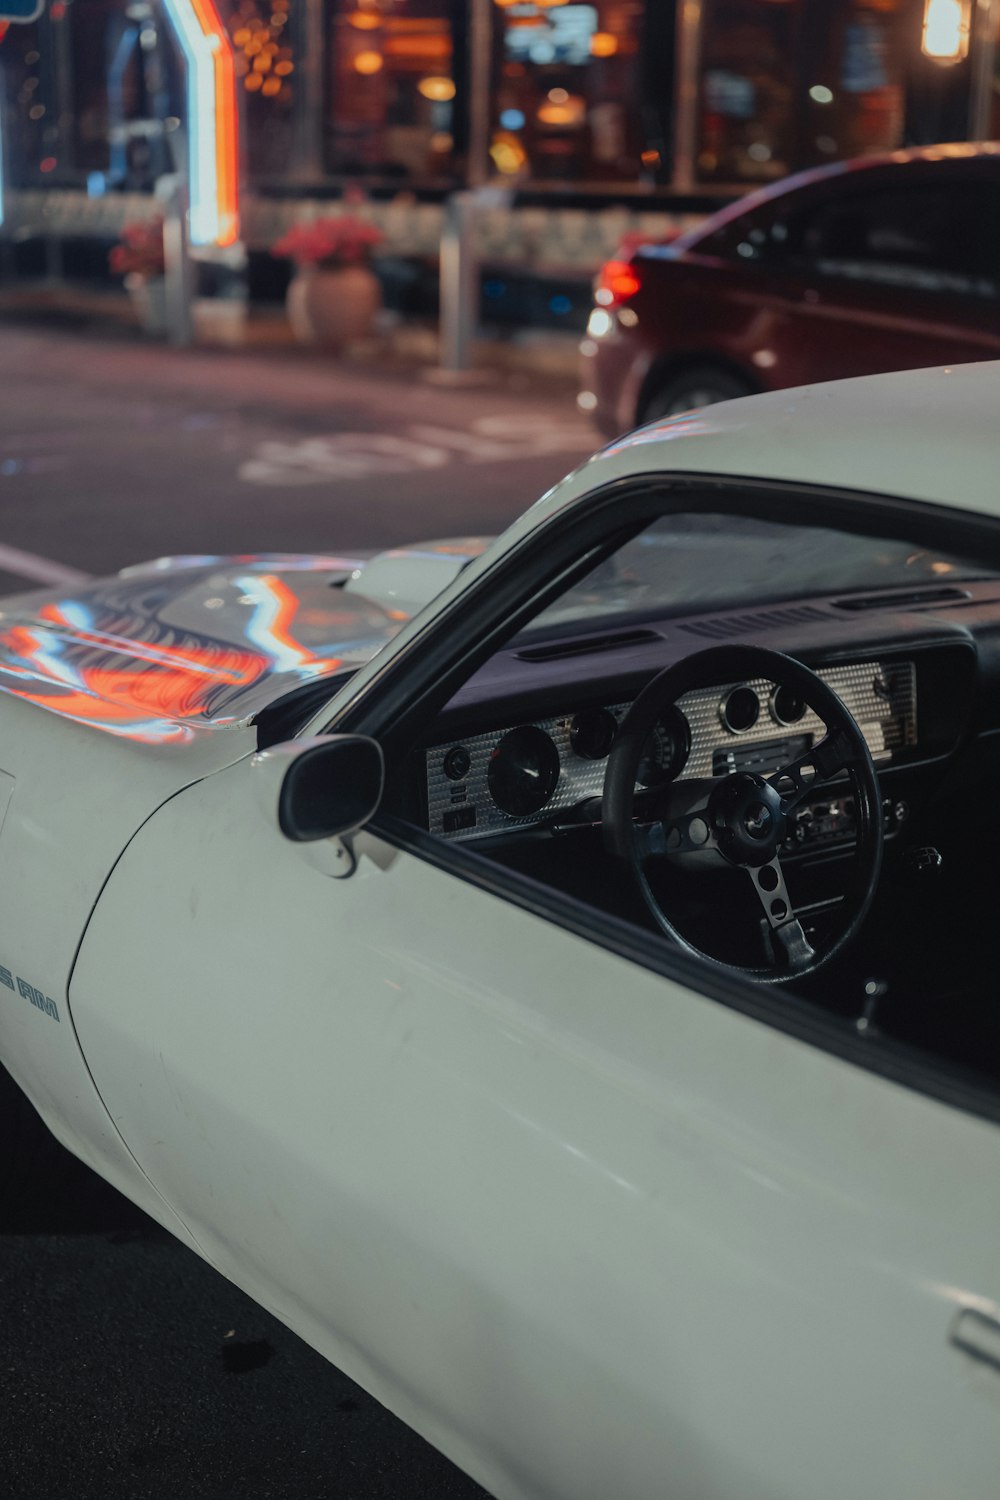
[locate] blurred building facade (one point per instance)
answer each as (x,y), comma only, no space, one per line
(592,118)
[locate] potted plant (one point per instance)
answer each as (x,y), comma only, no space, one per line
(333,295)
(138,257)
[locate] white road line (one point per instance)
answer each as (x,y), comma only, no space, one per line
(39,569)
(359,455)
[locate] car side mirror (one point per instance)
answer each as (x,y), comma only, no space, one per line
(320,788)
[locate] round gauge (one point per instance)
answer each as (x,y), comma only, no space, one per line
(787,705)
(739,709)
(523,771)
(666,750)
(592,733)
(456,763)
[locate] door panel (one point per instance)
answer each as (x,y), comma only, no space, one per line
(899,276)
(582,1228)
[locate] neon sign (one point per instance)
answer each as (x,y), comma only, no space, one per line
(213,148)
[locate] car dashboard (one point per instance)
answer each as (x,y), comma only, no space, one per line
(526,773)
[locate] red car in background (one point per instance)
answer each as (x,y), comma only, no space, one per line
(882,263)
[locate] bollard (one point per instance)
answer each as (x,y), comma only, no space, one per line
(178,268)
(459,275)
(459,282)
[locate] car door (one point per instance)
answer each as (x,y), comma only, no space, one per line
(589,1230)
(896,276)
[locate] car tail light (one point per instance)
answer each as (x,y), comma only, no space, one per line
(617,282)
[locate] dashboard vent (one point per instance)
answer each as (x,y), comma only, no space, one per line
(557,650)
(915,599)
(723,626)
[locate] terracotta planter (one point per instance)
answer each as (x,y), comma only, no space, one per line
(148,296)
(333,308)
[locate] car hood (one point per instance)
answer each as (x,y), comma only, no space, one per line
(207,642)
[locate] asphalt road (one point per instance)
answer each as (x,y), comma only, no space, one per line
(112,452)
(128,1368)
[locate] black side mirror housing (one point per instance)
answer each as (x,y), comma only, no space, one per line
(323,787)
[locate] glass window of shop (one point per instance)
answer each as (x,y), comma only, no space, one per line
(30,127)
(395,96)
(266,58)
(567,88)
(124,86)
(785,84)
(89,87)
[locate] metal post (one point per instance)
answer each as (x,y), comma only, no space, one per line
(480,75)
(171,190)
(459,282)
(689,21)
(985,34)
(309,102)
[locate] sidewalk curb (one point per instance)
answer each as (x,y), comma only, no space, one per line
(401,348)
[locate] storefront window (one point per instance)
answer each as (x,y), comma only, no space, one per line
(29,142)
(88,89)
(124,87)
(265,57)
(855,93)
(566,104)
(395,97)
(790,83)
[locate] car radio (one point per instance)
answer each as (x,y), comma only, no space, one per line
(832,820)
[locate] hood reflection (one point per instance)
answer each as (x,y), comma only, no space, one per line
(153,658)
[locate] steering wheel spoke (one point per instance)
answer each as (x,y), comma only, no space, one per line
(691,833)
(833,754)
(769,883)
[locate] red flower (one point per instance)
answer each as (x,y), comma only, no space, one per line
(342,241)
(140,251)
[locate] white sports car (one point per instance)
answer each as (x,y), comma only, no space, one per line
(559,978)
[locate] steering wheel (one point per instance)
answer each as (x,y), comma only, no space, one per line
(741,818)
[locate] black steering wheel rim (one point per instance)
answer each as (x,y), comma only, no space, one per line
(843,743)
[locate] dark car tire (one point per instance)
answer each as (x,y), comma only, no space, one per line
(690,389)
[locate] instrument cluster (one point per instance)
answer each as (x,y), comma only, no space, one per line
(527,773)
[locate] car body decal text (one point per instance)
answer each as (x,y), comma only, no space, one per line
(28,992)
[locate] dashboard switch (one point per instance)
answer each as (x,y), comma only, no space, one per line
(459,817)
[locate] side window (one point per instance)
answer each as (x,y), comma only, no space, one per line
(756,236)
(936,238)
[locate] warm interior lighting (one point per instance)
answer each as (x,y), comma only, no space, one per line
(945,35)
(558,114)
(364,20)
(440,90)
(368,62)
(603,44)
(507,154)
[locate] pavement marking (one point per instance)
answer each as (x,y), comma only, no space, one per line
(421,445)
(39,569)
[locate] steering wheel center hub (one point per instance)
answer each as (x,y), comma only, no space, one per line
(749,824)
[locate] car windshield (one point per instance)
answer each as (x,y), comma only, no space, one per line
(695,564)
